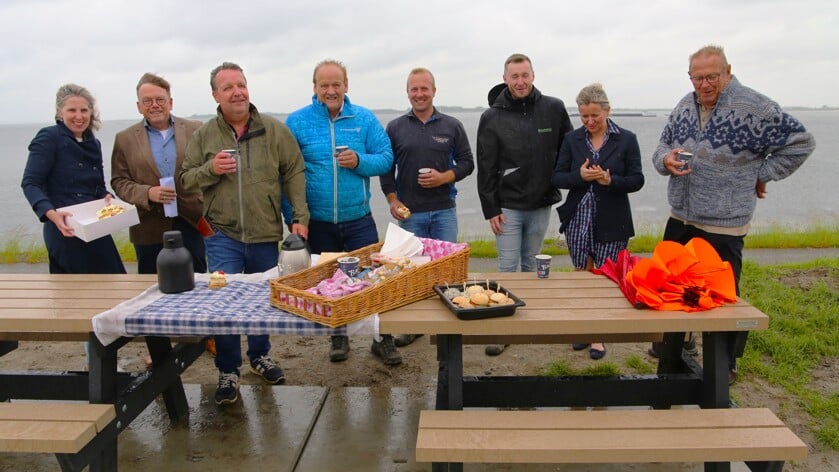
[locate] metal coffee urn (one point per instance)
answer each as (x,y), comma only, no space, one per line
(294,255)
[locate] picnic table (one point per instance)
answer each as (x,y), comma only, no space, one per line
(567,307)
(109,311)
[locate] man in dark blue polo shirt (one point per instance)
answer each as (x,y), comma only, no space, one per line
(430,153)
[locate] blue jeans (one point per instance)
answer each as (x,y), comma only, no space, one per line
(233,257)
(325,236)
(193,242)
(521,238)
(437,224)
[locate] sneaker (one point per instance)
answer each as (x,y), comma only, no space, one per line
(340,348)
(495,349)
(386,351)
(401,340)
(732,376)
(267,369)
(228,388)
(690,346)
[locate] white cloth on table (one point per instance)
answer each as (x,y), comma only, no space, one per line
(242,307)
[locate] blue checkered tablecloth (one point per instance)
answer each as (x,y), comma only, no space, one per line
(238,308)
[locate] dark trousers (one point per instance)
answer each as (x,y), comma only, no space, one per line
(193,242)
(729,248)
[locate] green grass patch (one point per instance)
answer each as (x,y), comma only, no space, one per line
(802,302)
(19,247)
(778,237)
(561,368)
(639,365)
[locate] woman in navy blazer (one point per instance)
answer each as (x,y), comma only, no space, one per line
(65,168)
(600,164)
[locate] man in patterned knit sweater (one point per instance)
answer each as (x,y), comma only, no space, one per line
(740,140)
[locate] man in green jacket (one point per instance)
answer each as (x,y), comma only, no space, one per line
(242,162)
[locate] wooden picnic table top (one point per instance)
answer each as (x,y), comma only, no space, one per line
(52,306)
(567,303)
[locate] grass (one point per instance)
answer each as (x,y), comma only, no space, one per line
(820,236)
(794,354)
(20,247)
(802,301)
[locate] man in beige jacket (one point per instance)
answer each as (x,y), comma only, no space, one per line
(144,153)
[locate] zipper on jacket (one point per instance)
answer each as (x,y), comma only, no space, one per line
(239,180)
(335,169)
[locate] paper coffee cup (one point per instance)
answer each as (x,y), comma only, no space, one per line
(685,157)
(543,265)
(348,265)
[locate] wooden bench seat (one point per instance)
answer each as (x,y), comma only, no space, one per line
(606,436)
(61,428)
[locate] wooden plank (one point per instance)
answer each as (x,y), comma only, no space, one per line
(51,427)
(597,419)
(151,278)
(555,338)
(45,436)
(527,320)
(611,436)
(608,445)
(99,414)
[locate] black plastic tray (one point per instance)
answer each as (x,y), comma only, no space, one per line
(481,313)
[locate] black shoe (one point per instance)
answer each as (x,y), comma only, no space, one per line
(579,346)
(597,354)
(495,349)
(227,391)
(386,351)
(267,369)
(340,348)
(652,352)
(732,376)
(402,340)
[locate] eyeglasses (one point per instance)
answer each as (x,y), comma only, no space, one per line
(159,100)
(711,78)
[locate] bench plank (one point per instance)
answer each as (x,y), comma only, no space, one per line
(609,436)
(51,427)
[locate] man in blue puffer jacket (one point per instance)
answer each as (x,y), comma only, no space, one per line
(343,145)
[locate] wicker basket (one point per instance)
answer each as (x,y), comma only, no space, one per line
(450,264)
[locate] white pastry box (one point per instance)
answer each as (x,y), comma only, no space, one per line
(86,224)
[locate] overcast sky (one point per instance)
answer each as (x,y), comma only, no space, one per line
(637,50)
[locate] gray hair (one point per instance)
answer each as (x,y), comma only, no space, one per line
(156,80)
(224,66)
(327,62)
(709,50)
(593,93)
(72,90)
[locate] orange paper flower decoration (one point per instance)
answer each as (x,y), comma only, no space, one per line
(687,278)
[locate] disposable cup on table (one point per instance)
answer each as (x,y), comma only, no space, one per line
(543,266)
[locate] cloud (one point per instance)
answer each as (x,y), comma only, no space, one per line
(638,51)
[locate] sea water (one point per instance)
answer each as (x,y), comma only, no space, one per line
(809,197)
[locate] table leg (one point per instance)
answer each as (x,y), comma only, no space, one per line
(102,388)
(449,384)
(715,392)
(174,396)
(7,347)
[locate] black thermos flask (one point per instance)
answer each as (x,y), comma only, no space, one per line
(174,265)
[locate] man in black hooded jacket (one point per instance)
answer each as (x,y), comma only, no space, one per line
(519,138)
